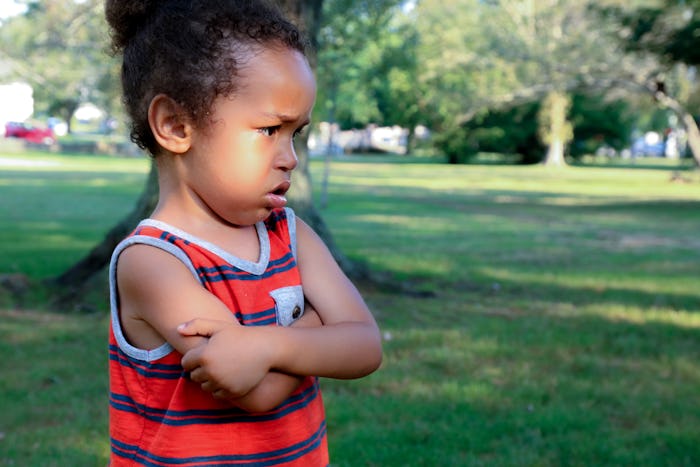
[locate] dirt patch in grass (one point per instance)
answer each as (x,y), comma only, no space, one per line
(633,241)
(644,241)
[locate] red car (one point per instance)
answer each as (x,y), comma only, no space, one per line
(30,133)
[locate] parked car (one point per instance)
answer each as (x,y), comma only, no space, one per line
(29,133)
(649,145)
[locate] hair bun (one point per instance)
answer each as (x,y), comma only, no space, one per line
(126,17)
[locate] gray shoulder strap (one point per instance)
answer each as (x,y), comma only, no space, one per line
(130,350)
(292,226)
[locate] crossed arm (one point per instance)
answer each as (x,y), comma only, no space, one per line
(254,367)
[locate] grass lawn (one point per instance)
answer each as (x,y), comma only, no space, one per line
(563,329)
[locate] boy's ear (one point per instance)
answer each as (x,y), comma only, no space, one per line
(169,124)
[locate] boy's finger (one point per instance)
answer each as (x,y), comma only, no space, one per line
(200,327)
(190,361)
(198,376)
(221,394)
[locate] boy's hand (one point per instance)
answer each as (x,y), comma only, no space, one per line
(231,363)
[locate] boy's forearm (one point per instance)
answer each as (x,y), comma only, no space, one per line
(342,350)
(274,389)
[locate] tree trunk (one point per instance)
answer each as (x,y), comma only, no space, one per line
(669,102)
(555,129)
(555,153)
(306,14)
(66,113)
(691,126)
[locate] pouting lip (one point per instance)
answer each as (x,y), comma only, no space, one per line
(282,188)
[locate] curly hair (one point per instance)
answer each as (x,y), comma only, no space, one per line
(189,50)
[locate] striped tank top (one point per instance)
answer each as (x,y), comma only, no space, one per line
(158,417)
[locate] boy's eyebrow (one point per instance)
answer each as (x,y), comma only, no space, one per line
(284,118)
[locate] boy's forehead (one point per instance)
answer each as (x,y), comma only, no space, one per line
(276,69)
(275,83)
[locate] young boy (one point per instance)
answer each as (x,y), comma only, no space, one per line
(217,90)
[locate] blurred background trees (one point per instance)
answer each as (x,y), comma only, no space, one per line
(58,47)
(669,31)
(473,72)
(509,54)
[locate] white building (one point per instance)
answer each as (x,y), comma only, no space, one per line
(16,99)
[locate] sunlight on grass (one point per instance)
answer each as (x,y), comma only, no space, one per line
(407,222)
(446,391)
(433,182)
(6,182)
(27,163)
(638,315)
(49,239)
(575,280)
(586,182)
(61,163)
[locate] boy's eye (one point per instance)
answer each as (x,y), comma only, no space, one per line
(269,130)
(298,132)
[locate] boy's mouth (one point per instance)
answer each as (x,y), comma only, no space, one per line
(282,188)
(276,197)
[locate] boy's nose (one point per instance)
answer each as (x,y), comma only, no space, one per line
(288,159)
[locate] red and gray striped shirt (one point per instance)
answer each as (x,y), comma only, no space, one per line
(158,417)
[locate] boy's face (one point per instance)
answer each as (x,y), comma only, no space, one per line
(239,168)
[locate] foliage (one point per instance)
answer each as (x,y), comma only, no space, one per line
(511,131)
(485,56)
(497,55)
(598,121)
(665,32)
(364,64)
(59,47)
(395,84)
(668,30)
(563,330)
(440,64)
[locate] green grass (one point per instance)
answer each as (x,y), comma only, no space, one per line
(564,327)
(56,207)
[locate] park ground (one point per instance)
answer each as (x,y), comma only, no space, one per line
(555,319)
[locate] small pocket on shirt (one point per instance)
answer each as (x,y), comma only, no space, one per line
(289,304)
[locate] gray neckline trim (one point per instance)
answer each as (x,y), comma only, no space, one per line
(256,268)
